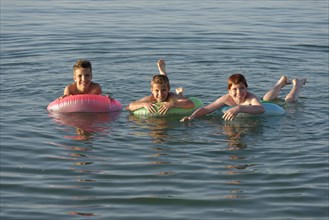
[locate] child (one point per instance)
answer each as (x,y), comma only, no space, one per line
(238,97)
(160,92)
(291,96)
(82,75)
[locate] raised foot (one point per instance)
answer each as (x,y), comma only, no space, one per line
(299,82)
(162,67)
(179,90)
(283,81)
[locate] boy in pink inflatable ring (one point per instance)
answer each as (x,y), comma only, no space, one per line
(82,76)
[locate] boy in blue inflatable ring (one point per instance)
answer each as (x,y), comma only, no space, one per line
(237,96)
(243,101)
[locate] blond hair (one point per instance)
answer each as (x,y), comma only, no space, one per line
(84,64)
(160,79)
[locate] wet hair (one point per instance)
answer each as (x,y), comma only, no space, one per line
(236,79)
(160,79)
(84,64)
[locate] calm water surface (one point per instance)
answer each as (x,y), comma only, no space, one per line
(101,166)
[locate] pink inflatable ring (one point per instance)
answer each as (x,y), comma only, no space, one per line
(84,103)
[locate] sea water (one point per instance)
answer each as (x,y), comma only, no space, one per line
(117,166)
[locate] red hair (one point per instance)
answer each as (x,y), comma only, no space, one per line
(236,79)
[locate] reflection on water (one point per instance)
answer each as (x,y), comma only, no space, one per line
(82,135)
(155,127)
(86,124)
(235,132)
(79,178)
(80,213)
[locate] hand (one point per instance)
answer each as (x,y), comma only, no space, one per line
(230,114)
(108,96)
(151,107)
(63,96)
(186,119)
(165,107)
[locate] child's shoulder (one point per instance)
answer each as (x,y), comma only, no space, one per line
(173,96)
(250,95)
(95,88)
(71,87)
(148,98)
(95,84)
(224,97)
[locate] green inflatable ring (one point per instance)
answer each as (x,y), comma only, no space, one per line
(171,112)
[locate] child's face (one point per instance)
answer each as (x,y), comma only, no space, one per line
(238,92)
(160,92)
(82,77)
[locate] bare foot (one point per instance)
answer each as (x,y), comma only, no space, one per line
(179,92)
(283,81)
(275,90)
(162,67)
(299,82)
(294,93)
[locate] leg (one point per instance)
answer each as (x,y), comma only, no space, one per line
(275,90)
(293,94)
(162,67)
(162,70)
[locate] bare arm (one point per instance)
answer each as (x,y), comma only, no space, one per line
(67,91)
(175,101)
(145,102)
(182,103)
(95,89)
(207,109)
(254,107)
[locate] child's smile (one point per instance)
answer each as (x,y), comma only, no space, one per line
(83,78)
(238,92)
(160,92)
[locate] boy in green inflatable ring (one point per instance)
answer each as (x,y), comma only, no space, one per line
(160,93)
